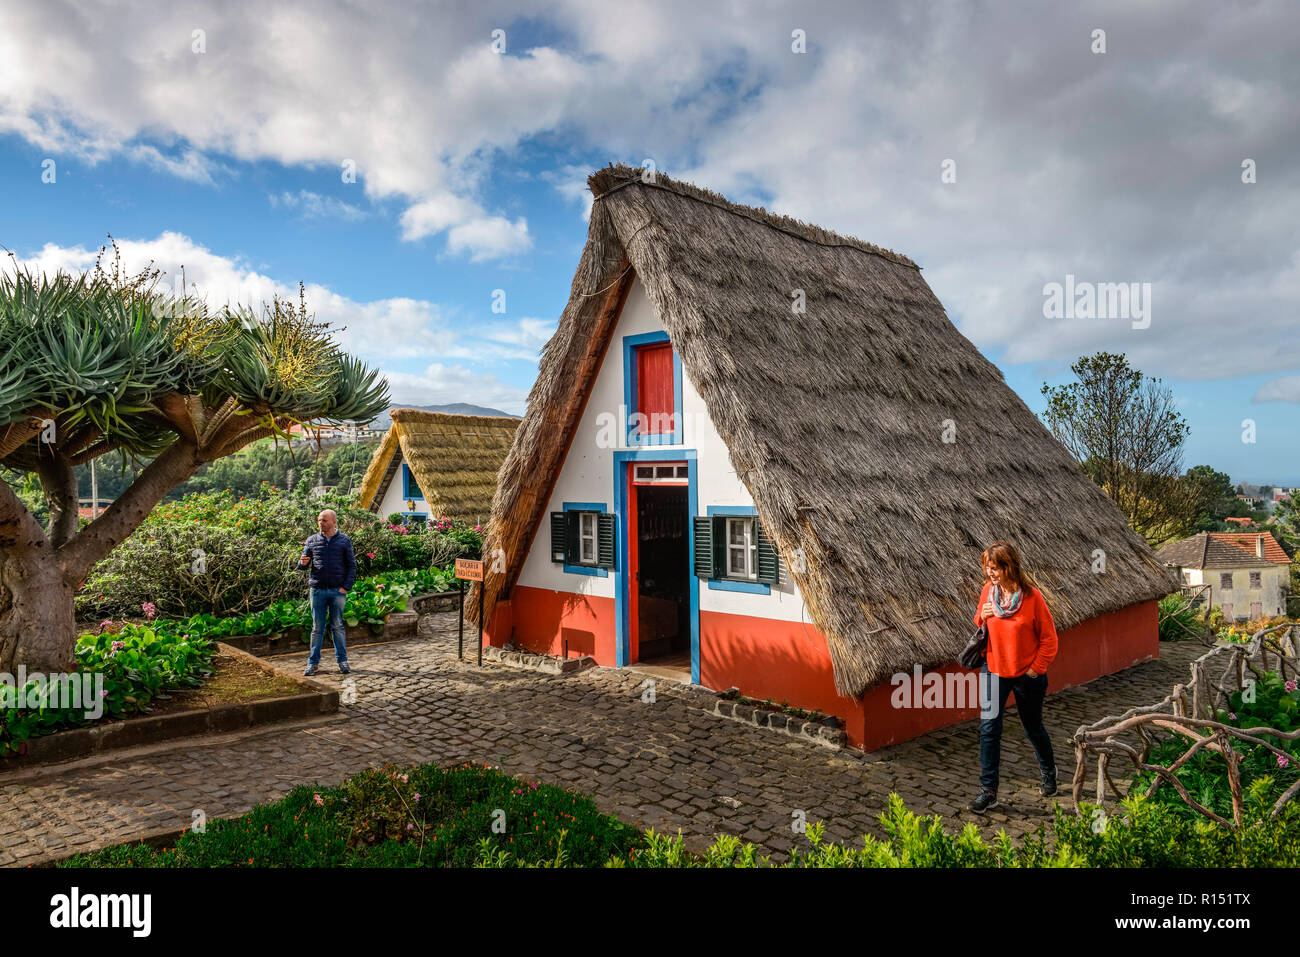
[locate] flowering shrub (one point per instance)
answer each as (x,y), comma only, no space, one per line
(221,554)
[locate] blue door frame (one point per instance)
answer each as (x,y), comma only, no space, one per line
(622,636)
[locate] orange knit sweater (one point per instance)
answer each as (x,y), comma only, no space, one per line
(1025,639)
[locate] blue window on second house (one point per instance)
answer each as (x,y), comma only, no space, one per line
(409,488)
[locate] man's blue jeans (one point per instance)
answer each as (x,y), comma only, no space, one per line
(1030,693)
(327,608)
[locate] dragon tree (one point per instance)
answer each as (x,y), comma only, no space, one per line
(101,363)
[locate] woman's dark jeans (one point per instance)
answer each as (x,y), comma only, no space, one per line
(1030,693)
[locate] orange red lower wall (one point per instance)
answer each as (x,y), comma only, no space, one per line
(790,661)
(553,622)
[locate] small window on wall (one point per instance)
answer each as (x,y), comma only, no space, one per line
(1256,580)
(582,539)
(741,561)
(734,549)
(409,487)
(1225,580)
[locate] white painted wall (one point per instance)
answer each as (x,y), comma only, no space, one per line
(588,476)
(393,501)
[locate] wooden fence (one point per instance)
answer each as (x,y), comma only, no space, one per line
(1190,710)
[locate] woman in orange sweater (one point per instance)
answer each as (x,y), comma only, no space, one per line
(1022,644)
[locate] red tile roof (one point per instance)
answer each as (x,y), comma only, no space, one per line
(1246,541)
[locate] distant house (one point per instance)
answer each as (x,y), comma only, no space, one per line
(1248,574)
(714,482)
(1243,522)
(433,464)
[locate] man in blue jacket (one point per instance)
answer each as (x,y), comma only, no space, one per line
(328,554)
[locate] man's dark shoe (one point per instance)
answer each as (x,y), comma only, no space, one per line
(311,670)
(344,669)
(986,800)
(1049,783)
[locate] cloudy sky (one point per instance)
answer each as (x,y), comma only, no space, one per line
(997,144)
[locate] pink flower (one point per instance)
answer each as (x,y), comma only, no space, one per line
(107,622)
(417,797)
(410,827)
(370,554)
(1291,685)
(117,646)
(318,799)
(1232,716)
(149,608)
(1282,762)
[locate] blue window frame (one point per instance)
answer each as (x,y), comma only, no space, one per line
(409,488)
(630,345)
(409,517)
(728,584)
(597,507)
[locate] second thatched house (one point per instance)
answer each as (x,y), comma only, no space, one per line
(760,453)
(432,464)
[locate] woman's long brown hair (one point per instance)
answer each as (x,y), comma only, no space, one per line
(1007,559)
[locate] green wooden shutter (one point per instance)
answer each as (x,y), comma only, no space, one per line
(769,562)
(605,540)
(572,546)
(559,546)
(704,563)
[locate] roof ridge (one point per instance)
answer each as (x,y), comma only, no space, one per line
(777,221)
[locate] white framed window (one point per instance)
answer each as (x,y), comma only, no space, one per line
(742,560)
(587,537)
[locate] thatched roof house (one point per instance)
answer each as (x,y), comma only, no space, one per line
(881,450)
(446,463)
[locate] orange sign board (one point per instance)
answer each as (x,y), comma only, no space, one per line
(469,569)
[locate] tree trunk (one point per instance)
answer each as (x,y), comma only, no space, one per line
(37,624)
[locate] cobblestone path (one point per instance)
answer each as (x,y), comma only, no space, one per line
(666,765)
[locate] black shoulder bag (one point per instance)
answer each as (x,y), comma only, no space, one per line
(972,656)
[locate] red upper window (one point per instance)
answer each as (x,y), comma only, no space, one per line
(654,387)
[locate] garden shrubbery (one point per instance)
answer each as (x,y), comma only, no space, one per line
(1275,704)
(138,664)
(429,816)
(221,554)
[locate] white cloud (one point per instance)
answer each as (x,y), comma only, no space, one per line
(441,384)
(1285,389)
(311,205)
(1116,168)
(381,331)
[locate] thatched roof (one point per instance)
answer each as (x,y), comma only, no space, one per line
(1209,551)
(454,458)
(834,421)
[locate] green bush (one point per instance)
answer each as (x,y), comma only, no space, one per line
(369,602)
(221,554)
(1179,620)
(138,663)
(429,816)
(398,817)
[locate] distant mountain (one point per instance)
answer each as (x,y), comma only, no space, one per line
(382,421)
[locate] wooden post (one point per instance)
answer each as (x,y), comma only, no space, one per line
(460,623)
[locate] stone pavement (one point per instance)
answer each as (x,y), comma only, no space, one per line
(666,764)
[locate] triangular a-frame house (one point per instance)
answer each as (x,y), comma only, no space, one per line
(437,464)
(760,452)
